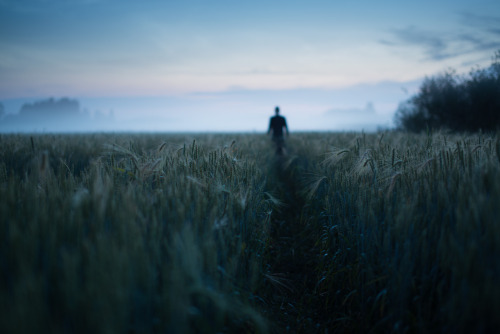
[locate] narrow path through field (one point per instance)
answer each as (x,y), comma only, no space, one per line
(292,261)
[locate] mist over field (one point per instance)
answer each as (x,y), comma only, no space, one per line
(363,107)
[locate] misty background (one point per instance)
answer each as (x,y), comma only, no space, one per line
(362,107)
(222,66)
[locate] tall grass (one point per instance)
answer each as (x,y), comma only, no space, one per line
(350,232)
(142,234)
(409,238)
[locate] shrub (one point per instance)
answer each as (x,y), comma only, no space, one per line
(454,102)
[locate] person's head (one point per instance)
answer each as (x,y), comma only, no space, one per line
(277,110)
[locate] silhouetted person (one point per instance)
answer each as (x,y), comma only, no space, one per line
(277,125)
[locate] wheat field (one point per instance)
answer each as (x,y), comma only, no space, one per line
(213,233)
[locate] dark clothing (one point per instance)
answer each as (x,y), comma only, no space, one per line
(277,124)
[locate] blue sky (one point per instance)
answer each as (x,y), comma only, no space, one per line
(224,65)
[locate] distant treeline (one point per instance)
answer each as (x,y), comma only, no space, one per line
(51,114)
(458,103)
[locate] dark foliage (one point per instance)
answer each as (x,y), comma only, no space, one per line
(458,103)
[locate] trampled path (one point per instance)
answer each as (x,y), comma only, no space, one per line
(293,305)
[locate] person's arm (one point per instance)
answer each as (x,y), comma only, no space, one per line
(270,126)
(286,129)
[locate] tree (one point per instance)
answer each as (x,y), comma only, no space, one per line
(458,103)
(51,109)
(48,115)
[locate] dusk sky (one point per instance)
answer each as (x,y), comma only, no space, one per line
(225,65)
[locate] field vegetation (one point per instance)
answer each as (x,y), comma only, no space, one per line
(347,232)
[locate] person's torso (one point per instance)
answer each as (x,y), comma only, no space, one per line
(277,124)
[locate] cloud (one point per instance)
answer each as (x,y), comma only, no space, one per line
(485,22)
(486,34)
(435,46)
(475,33)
